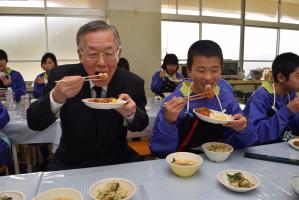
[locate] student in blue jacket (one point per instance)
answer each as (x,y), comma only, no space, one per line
(162,81)
(178,129)
(274,108)
(48,62)
(11,78)
(4,117)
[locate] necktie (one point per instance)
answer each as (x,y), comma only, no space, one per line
(98,91)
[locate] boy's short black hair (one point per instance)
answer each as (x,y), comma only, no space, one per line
(3,55)
(206,48)
(285,64)
(48,55)
(170,59)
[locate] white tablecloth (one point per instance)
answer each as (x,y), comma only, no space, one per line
(155,181)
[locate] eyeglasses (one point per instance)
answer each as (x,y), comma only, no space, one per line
(109,55)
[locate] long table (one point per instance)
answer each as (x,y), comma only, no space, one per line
(155,181)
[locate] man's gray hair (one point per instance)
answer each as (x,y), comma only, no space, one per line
(94,26)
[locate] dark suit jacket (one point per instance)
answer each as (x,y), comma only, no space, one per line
(90,137)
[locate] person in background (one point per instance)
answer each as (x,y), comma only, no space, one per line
(48,63)
(5,158)
(123,64)
(274,107)
(92,137)
(163,81)
(178,129)
(11,78)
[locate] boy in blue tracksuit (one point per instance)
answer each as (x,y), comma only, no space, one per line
(48,62)
(12,78)
(176,126)
(4,143)
(162,80)
(274,108)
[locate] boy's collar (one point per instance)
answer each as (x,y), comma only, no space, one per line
(186,85)
(8,70)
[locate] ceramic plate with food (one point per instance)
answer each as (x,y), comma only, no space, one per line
(2,74)
(294,143)
(175,80)
(212,116)
(11,195)
(238,180)
(112,188)
(103,103)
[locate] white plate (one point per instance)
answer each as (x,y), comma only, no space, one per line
(16,195)
(125,185)
(176,80)
(222,178)
(214,117)
(291,142)
(106,106)
(2,74)
(59,193)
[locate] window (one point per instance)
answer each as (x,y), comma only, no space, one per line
(177,37)
(261,10)
(260,43)
(60,27)
(289,11)
(227,36)
(95,4)
(288,41)
(27,3)
(220,8)
(16,30)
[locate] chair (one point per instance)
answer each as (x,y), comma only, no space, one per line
(141,147)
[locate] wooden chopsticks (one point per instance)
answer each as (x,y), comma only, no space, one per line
(194,97)
(86,78)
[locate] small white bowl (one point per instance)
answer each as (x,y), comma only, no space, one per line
(184,171)
(217,156)
(59,193)
(15,195)
(222,178)
(295,183)
(125,185)
(291,142)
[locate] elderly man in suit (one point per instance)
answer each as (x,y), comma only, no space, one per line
(92,137)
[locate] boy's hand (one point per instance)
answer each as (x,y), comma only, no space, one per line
(39,80)
(173,108)
(239,122)
(6,80)
(162,73)
(294,105)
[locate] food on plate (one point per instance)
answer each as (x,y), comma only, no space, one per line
(219,148)
(296,143)
(5,198)
(210,92)
(221,116)
(238,180)
(183,162)
(103,75)
(112,191)
(204,111)
(102,100)
(63,198)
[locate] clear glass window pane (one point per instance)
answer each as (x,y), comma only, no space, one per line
(168,6)
(27,3)
(62,35)
(247,66)
(290,11)
(227,36)
(188,7)
(29,70)
(260,43)
(220,8)
(288,40)
(261,10)
(177,37)
(94,4)
(23,38)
